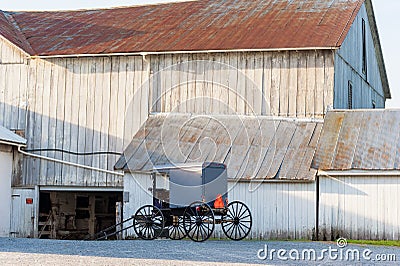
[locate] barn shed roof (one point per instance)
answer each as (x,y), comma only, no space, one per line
(183,26)
(359,140)
(251,147)
(10,137)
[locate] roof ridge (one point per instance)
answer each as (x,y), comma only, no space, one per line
(101,8)
(10,19)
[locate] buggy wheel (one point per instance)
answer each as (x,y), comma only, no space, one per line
(148,222)
(177,230)
(237,221)
(198,221)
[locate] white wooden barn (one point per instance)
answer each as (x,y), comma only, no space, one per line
(80,85)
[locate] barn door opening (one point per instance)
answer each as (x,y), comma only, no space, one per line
(77,215)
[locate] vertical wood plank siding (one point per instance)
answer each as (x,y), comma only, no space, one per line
(359,208)
(98,103)
(22,224)
(279,210)
(367,87)
(282,83)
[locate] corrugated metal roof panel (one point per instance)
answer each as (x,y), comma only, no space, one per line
(12,138)
(251,147)
(188,26)
(359,140)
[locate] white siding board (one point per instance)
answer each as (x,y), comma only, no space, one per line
(241,85)
(83,119)
(250,84)
(97,117)
(137,186)
(311,87)
(233,82)
(129,101)
(302,85)
(105,123)
(112,127)
(90,121)
(320,83)
(267,84)
(168,68)
(362,205)
(52,114)
(175,87)
(45,120)
(183,83)
(191,86)
(123,88)
(258,84)
(293,84)
(37,122)
(275,83)
(284,86)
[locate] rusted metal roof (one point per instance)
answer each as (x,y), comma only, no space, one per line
(184,26)
(359,140)
(10,137)
(9,30)
(251,147)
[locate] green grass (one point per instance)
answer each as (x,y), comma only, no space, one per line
(389,243)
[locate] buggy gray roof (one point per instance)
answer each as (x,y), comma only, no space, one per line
(359,140)
(10,137)
(251,147)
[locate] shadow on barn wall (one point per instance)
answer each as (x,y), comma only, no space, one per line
(43,132)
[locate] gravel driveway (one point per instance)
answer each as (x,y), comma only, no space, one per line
(165,252)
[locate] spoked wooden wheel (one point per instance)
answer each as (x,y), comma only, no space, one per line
(148,222)
(177,230)
(237,222)
(198,221)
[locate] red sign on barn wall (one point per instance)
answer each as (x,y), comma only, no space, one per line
(29,201)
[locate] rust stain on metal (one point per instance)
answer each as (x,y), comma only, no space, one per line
(359,140)
(251,147)
(184,26)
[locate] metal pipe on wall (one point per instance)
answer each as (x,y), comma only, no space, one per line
(68,163)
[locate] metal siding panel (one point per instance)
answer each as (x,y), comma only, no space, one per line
(326,150)
(385,153)
(346,145)
(296,154)
(361,140)
(250,146)
(367,141)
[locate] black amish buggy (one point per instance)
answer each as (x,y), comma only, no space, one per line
(189,200)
